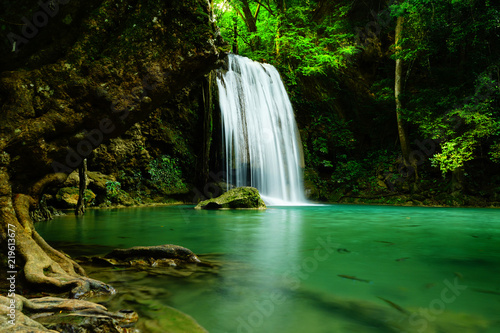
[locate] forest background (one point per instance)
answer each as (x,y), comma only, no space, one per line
(395,101)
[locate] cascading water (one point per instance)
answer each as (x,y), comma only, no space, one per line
(261,139)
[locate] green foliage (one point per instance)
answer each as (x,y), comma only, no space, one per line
(89,197)
(475,123)
(133,182)
(166,174)
(112,188)
(328,139)
(445,27)
(314,47)
(292,38)
(495,152)
(348,171)
(448,49)
(362,174)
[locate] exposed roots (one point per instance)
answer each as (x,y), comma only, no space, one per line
(53,307)
(37,189)
(43,265)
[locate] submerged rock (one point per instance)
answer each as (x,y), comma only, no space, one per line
(392,318)
(240,197)
(156,316)
(161,255)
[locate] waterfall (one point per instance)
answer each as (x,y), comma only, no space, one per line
(262,145)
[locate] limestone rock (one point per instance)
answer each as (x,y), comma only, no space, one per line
(240,197)
(98,181)
(73,180)
(67,197)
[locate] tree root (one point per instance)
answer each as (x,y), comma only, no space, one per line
(43,265)
(54,178)
(41,308)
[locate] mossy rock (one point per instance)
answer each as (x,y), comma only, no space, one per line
(123,198)
(67,197)
(240,197)
(98,181)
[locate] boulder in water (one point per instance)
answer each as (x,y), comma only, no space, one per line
(240,197)
(161,255)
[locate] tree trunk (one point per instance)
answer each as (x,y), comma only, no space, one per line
(82,172)
(281,6)
(457,180)
(235,39)
(403,138)
(277,42)
(250,19)
(207,125)
(251,23)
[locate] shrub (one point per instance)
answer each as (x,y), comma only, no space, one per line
(112,188)
(166,174)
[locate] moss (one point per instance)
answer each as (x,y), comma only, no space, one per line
(240,197)
(67,197)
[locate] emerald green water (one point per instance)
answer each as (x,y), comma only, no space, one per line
(280,267)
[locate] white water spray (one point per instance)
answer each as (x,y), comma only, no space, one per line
(261,139)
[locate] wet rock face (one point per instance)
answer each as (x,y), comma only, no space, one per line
(121,63)
(240,197)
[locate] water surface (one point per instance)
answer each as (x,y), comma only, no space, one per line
(419,269)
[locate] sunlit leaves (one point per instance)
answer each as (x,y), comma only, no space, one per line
(476,121)
(495,152)
(291,37)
